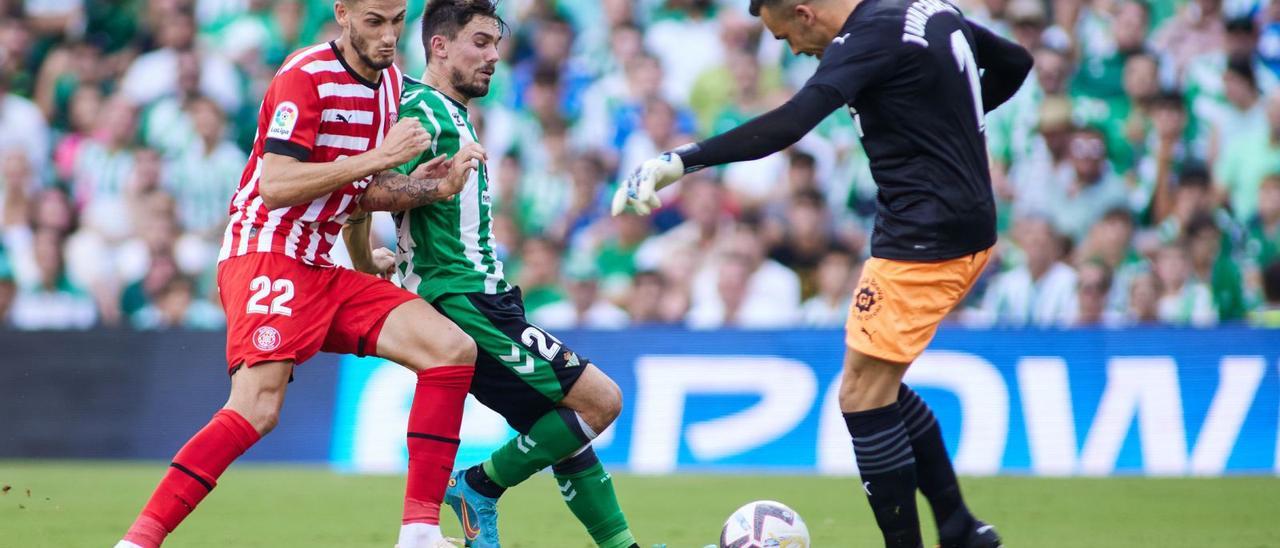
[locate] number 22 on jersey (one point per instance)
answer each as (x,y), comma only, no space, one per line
(969,67)
(262,287)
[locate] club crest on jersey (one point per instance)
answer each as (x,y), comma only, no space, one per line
(867,300)
(266,338)
(283,120)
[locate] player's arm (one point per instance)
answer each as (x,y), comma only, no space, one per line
(355,233)
(1005,66)
(759,137)
(860,59)
(287,180)
(428,183)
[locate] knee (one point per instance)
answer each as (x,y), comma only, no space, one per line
(461,349)
(606,406)
(611,404)
(266,421)
(848,391)
(263,414)
(869,383)
(452,347)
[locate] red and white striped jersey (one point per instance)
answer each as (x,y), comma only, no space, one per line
(317,109)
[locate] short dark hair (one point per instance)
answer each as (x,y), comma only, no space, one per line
(447,17)
(1193,174)
(1200,223)
(1169,98)
(810,198)
(546,74)
(802,159)
(1243,67)
(755,6)
(1241,25)
(1271,282)
(1119,213)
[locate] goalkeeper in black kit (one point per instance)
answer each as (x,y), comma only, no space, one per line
(918,79)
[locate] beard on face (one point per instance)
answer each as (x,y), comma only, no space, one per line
(470,88)
(361,45)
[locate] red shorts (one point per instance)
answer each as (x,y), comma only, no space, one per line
(281,309)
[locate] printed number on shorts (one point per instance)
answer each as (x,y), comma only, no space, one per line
(535,339)
(262,287)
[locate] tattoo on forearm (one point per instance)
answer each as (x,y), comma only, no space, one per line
(391,191)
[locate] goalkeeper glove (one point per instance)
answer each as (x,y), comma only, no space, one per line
(640,188)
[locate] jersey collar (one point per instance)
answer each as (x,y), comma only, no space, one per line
(371,85)
(446,96)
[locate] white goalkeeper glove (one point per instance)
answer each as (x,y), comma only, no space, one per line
(640,188)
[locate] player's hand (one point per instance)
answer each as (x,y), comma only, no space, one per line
(468,159)
(435,168)
(640,188)
(406,140)
(384,262)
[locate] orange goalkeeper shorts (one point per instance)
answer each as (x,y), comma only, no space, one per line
(899,304)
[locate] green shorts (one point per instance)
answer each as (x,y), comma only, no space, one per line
(522,372)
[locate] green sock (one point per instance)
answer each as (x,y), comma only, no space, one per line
(552,438)
(588,490)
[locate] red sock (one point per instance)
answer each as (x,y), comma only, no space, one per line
(434,420)
(192,475)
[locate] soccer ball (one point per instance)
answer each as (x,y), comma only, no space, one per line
(764,524)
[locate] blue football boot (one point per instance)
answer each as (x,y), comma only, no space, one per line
(478,513)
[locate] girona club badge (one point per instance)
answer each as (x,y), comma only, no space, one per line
(266,338)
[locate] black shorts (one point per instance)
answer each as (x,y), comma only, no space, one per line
(522,372)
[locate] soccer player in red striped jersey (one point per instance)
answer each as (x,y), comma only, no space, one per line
(327,134)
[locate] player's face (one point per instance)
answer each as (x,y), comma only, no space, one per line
(373,28)
(472,56)
(798,26)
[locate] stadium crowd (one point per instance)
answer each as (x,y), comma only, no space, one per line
(1137,172)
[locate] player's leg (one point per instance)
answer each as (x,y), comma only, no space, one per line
(895,314)
(443,358)
(262,348)
(257,393)
(886,464)
(582,480)
(934,473)
(399,326)
(592,404)
(561,438)
(524,373)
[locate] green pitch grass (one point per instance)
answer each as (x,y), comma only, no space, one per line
(91,504)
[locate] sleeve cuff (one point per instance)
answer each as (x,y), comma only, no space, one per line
(287,148)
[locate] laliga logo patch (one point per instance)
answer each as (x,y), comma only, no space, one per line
(283,120)
(266,338)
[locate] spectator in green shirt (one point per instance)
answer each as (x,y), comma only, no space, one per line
(1185,299)
(1263,231)
(1240,169)
(1091,189)
(1210,265)
(1101,76)
(539,273)
(615,254)
(1269,314)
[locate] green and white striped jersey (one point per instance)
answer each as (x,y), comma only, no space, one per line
(447,247)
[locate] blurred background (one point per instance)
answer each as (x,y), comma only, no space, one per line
(1122,330)
(1137,171)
